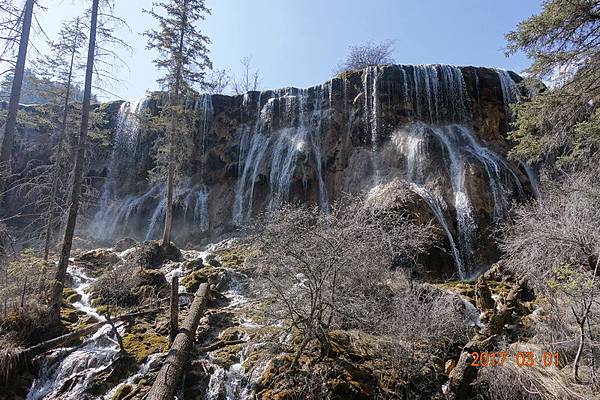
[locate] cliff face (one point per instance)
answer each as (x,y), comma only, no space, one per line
(438,130)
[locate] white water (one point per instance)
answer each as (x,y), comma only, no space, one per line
(510,91)
(460,147)
(68,372)
(275,152)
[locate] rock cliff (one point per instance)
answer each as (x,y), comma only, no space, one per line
(436,129)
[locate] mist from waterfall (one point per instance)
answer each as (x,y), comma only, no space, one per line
(117,216)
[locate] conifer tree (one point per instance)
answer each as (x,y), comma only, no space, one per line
(61,66)
(183,55)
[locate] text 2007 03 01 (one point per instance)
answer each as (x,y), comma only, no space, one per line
(521,359)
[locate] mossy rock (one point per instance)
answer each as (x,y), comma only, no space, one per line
(122,392)
(234,257)
(228,355)
(141,345)
(193,280)
(194,265)
(151,255)
(121,368)
(74,298)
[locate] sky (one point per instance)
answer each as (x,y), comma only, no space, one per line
(299,42)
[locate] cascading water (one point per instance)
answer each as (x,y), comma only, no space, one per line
(68,372)
(279,150)
(460,146)
(510,90)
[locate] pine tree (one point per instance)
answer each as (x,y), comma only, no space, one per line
(560,127)
(183,55)
(61,66)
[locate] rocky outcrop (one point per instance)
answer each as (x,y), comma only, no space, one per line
(438,128)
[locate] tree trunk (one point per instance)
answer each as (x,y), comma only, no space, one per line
(77,170)
(61,139)
(579,349)
(15,96)
(166,240)
(174,322)
(171,372)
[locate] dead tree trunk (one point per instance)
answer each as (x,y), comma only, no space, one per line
(15,96)
(77,170)
(174,322)
(172,370)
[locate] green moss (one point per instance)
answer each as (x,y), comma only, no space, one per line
(141,345)
(122,391)
(228,355)
(193,280)
(234,257)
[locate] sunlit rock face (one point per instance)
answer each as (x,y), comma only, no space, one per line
(438,129)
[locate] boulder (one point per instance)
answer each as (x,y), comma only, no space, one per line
(97,261)
(151,255)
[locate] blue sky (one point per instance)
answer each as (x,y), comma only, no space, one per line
(298,42)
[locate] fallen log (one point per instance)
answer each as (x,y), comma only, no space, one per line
(171,372)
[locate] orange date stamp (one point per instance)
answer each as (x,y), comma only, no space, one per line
(521,359)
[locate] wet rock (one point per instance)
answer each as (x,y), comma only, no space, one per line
(97,261)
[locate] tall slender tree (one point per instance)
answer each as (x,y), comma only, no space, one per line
(15,96)
(61,66)
(61,271)
(183,54)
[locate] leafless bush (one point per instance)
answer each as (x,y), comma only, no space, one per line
(366,55)
(555,242)
(249,80)
(331,271)
(116,286)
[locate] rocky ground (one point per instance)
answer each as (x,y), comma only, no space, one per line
(241,352)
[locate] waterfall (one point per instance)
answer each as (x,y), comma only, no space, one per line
(68,372)
(271,147)
(204,103)
(436,208)
(510,90)
(459,144)
(439,93)
(371,114)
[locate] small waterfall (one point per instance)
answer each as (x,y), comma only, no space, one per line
(204,103)
(439,93)
(286,130)
(435,206)
(510,90)
(185,198)
(67,373)
(459,143)
(534,180)
(371,114)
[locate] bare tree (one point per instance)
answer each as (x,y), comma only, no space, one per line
(218,81)
(555,242)
(249,80)
(366,55)
(11,120)
(77,169)
(329,271)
